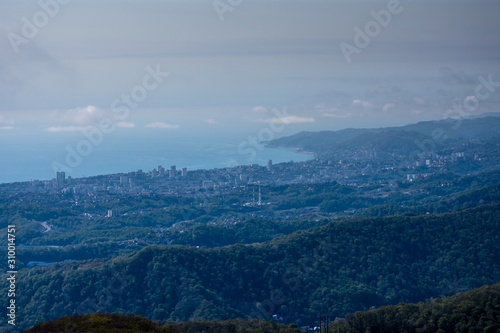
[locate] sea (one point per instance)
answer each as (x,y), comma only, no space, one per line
(39,159)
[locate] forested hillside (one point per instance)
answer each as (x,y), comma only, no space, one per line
(337,269)
(477,310)
(169,220)
(404,139)
(118,323)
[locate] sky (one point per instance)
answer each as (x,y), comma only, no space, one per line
(232,68)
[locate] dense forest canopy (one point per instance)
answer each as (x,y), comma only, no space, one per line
(339,268)
(477,310)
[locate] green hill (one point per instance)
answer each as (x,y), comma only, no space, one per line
(391,141)
(318,141)
(118,323)
(401,139)
(477,310)
(340,268)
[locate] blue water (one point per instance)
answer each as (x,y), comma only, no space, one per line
(24,160)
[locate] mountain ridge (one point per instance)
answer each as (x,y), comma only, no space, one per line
(437,131)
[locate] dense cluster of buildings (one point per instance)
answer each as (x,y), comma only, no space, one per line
(356,167)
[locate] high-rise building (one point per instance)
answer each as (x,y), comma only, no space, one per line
(161,171)
(172,172)
(60,178)
(260,197)
(269,164)
(184,172)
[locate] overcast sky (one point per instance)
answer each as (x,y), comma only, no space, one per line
(221,67)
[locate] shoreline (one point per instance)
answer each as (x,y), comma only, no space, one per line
(297,150)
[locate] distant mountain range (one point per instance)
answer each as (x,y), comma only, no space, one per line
(402,139)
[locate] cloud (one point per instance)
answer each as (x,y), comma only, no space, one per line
(331,111)
(125,124)
(363,104)
(162,125)
(67,128)
(419,101)
(6,124)
(450,76)
(259,109)
(388,106)
(322,107)
(89,115)
(288,120)
(337,115)
(211,121)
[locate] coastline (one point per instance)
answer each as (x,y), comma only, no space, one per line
(296,150)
